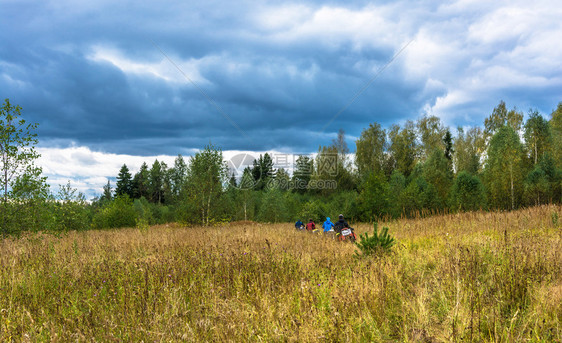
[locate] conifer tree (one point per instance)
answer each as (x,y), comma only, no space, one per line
(124,185)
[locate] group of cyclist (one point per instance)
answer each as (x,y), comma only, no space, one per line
(327,226)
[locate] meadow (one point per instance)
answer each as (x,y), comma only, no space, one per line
(479,276)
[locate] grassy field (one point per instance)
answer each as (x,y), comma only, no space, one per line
(465,277)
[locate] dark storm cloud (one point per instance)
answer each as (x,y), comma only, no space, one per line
(90,74)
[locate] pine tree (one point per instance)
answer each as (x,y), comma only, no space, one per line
(107,192)
(140,182)
(178,176)
(124,185)
(156,182)
(262,171)
(302,174)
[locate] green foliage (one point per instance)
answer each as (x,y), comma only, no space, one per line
(501,117)
(370,152)
(312,209)
(505,169)
(537,186)
(538,138)
(431,132)
(70,210)
(19,178)
(397,184)
(468,148)
(207,174)
(438,171)
(142,224)
(124,182)
(555,125)
(272,208)
(262,171)
(403,147)
(115,214)
(554,218)
(373,199)
(376,244)
(140,183)
(419,195)
(468,193)
(143,210)
(303,172)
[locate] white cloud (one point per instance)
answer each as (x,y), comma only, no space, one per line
(331,26)
(163,69)
(87,170)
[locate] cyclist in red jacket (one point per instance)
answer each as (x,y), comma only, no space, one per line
(310,226)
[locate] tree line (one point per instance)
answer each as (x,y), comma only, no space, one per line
(417,168)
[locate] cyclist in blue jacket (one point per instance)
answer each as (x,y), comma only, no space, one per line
(328,225)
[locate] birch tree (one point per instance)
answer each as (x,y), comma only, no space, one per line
(206,176)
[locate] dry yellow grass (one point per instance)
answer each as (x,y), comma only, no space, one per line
(471,277)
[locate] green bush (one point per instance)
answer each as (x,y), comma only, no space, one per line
(376,244)
(115,214)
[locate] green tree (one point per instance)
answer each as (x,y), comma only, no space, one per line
(505,169)
(437,170)
(124,183)
(468,149)
(501,117)
(141,183)
(431,132)
(107,195)
(537,185)
(282,179)
(343,177)
(537,135)
(327,168)
(468,193)
(397,184)
(28,208)
(206,176)
(115,214)
(156,182)
(448,143)
(262,171)
(178,176)
(17,150)
(370,151)
(247,184)
(403,147)
(556,130)
(302,174)
(373,199)
(70,209)
(272,208)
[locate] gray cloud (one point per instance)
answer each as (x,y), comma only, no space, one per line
(90,75)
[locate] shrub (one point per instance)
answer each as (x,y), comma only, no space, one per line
(377,243)
(118,213)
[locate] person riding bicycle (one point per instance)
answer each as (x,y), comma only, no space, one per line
(310,226)
(299,225)
(328,225)
(340,224)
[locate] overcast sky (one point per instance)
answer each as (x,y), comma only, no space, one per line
(113,82)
